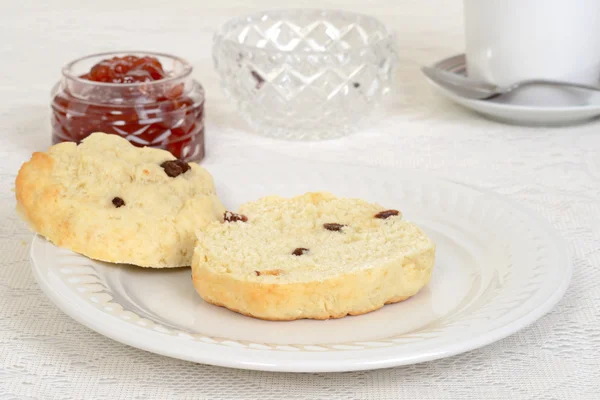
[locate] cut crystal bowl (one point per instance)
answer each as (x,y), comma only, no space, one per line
(305,74)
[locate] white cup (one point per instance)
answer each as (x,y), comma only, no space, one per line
(508,41)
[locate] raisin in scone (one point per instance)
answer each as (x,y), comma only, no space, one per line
(312,256)
(115,202)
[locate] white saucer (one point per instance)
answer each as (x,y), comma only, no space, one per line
(498,269)
(504,109)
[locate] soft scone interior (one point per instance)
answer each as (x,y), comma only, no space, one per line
(277,228)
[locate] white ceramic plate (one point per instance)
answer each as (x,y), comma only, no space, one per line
(498,269)
(504,109)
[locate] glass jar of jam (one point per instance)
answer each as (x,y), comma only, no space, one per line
(148,98)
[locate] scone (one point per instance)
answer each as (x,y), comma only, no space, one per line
(111,201)
(312,256)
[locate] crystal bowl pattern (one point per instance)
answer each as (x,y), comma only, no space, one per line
(305,74)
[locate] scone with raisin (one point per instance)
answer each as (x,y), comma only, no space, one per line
(311,256)
(111,201)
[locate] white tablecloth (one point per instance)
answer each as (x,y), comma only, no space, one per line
(46,355)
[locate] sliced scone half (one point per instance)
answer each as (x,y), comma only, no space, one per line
(311,256)
(114,202)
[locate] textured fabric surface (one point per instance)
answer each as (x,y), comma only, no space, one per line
(556,172)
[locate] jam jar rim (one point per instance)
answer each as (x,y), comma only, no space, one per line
(187,69)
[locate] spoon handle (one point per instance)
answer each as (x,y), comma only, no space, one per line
(553,83)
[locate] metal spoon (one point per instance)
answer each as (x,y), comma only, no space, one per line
(471,89)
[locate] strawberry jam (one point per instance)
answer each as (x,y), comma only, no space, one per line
(133,96)
(126,69)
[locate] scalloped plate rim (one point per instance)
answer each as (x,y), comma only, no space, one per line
(308,361)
